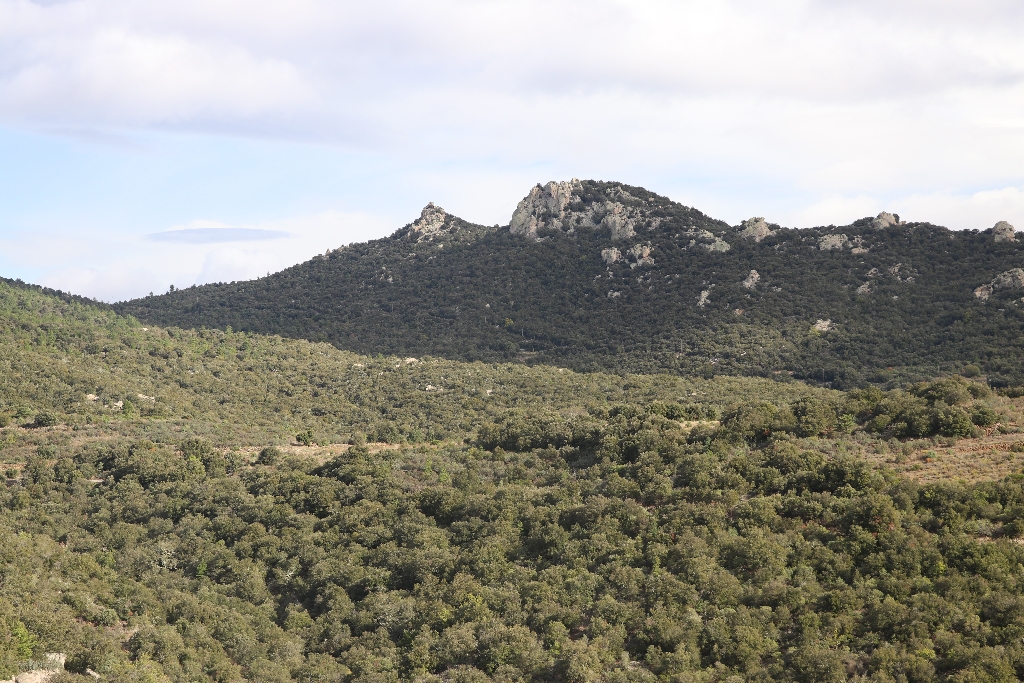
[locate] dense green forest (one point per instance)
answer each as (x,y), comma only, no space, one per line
(221,505)
(672,291)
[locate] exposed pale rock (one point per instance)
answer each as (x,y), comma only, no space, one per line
(864,288)
(611,255)
(828,242)
(35,676)
(641,255)
(1003,232)
(822,325)
(53,665)
(618,221)
(718,245)
(1013,278)
(885,220)
(903,273)
(704,296)
(1010,279)
(755,228)
(613,294)
(751,279)
(429,225)
(618,192)
(547,207)
(543,207)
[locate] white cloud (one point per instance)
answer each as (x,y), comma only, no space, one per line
(112,267)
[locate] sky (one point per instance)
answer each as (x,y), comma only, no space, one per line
(145,144)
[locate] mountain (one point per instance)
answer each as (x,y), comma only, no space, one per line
(600,275)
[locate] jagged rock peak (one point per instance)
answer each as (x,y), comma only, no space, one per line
(1003,232)
(429,225)
(560,206)
(755,228)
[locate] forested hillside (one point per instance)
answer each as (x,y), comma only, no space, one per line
(179,506)
(594,275)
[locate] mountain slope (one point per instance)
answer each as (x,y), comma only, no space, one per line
(603,275)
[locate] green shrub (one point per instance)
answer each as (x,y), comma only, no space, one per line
(983,416)
(954,421)
(951,391)
(44,420)
(971,370)
(24,642)
(814,417)
(269,456)
(750,421)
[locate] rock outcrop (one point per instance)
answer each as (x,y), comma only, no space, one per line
(559,206)
(1010,279)
(718,244)
(640,254)
(52,665)
(885,220)
(829,242)
(430,224)
(756,229)
(705,295)
(611,255)
(1003,232)
(544,207)
(902,273)
(751,279)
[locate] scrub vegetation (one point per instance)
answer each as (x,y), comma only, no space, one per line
(216,505)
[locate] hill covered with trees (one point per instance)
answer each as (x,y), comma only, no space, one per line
(603,276)
(180,506)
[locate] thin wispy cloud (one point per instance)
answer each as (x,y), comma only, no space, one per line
(215,235)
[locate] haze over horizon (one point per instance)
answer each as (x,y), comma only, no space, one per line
(150,145)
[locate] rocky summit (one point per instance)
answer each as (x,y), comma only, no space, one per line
(602,275)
